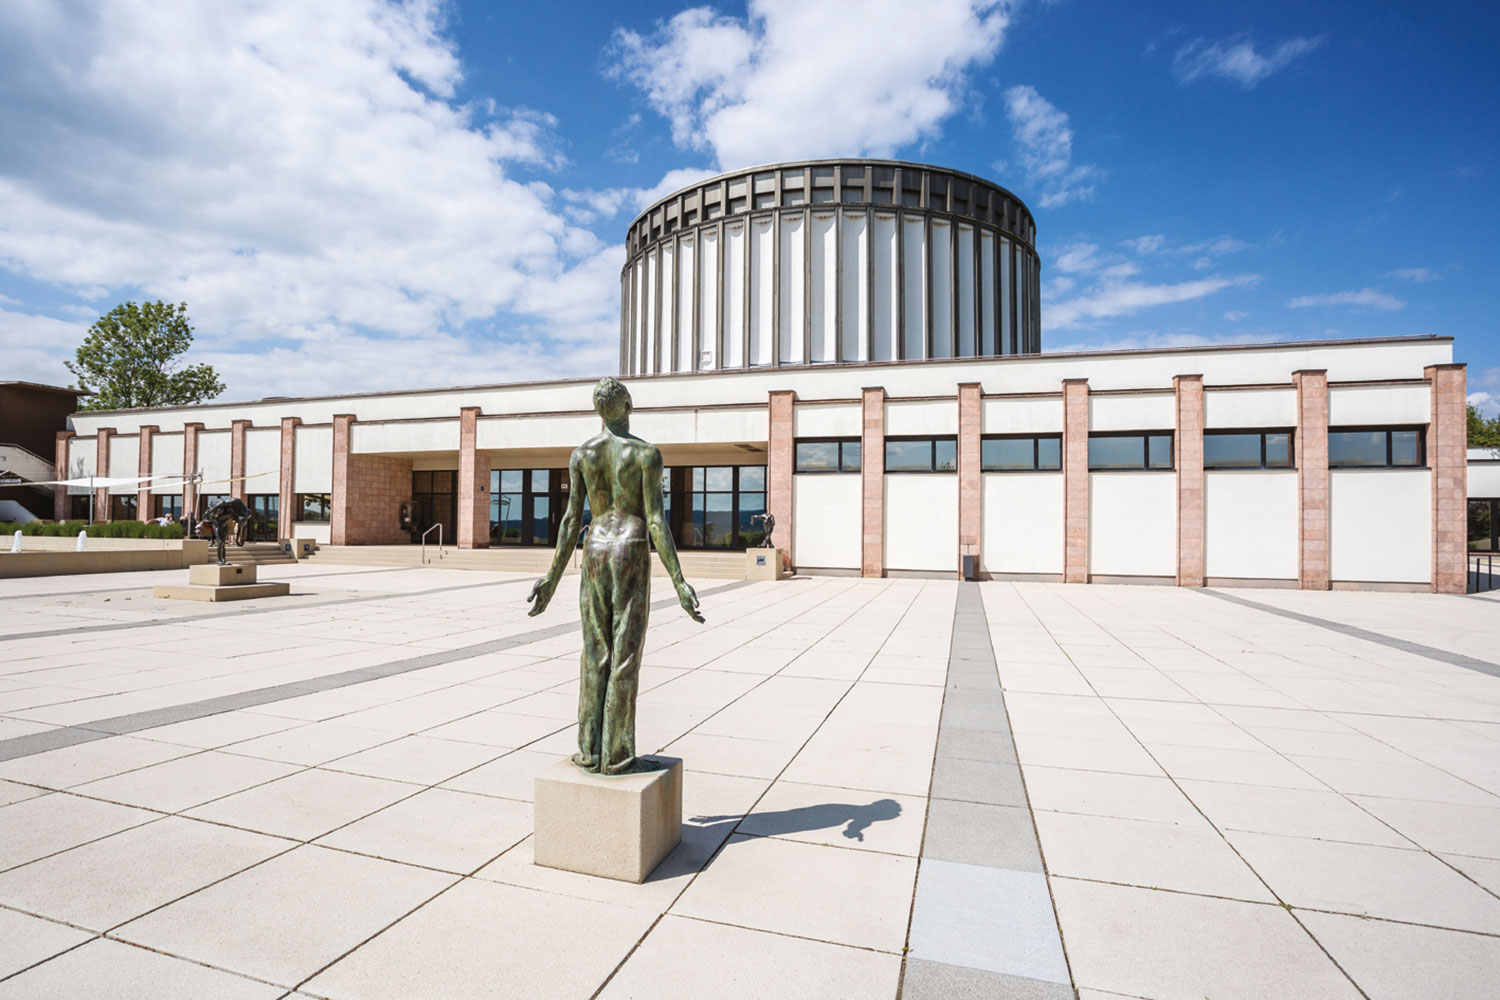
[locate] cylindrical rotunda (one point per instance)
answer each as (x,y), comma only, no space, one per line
(829,261)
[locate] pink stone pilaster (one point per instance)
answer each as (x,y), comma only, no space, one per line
(60,471)
(286,503)
(1313,563)
(101,470)
(1447,458)
(970,487)
(780,461)
(237,487)
(1075,448)
(872,482)
(143,511)
(473,483)
(1191,523)
(340,528)
(189,469)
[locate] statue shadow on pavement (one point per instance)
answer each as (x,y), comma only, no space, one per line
(855,819)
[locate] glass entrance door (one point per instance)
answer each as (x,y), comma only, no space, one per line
(265,525)
(436,497)
(1484,525)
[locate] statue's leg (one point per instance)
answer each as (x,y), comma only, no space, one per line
(593,668)
(632,606)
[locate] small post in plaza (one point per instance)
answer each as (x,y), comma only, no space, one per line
(607,811)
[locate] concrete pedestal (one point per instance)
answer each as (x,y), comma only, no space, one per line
(615,827)
(212,582)
(766,564)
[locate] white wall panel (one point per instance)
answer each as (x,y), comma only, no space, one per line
(942,289)
(686,267)
(854,256)
(921,522)
(822,302)
(536,432)
(1022,416)
(709,308)
(82,455)
(914,287)
(668,300)
(1007,296)
(427,435)
(1378,404)
(1484,479)
(1133,523)
(762,290)
(1156,412)
(263,455)
(1380,525)
(1250,408)
(319,531)
(793,262)
(826,528)
(938,416)
(166,460)
(213,459)
(735,243)
(748,424)
(884,286)
(989,313)
(124,460)
(1251,525)
(842,420)
(964,270)
(314,455)
(1023,522)
(653,262)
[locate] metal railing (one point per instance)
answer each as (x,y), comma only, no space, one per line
(439,528)
(1481,572)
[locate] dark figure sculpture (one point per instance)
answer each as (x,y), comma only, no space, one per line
(621,476)
(769,521)
(228,516)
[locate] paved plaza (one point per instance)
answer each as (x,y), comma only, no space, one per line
(912,788)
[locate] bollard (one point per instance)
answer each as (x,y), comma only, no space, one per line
(81,536)
(15,546)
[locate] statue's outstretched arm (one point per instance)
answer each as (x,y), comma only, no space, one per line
(567,540)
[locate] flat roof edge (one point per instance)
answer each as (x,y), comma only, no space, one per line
(834,366)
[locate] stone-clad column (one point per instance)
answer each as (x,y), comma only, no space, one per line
(473,483)
(780,462)
(189,468)
(101,470)
(340,526)
(286,502)
(1075,449)
(143,510)
(1447,458)
(60,509)
(872,482)
(1313,568)
(970,486)
(1191,523)
(237,486)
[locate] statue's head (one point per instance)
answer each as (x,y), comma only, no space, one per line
(612,399)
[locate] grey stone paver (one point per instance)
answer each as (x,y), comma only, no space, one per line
(1232,797)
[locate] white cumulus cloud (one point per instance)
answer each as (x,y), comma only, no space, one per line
(799,79)
(1044,144)
(1117,296)
(1368,298)
(1237,59)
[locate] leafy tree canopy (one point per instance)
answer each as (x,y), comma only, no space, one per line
(1483,433)
(132,357)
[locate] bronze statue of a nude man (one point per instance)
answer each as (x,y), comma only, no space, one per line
(622,477)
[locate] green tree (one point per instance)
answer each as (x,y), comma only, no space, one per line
(1483,433)
(132,358)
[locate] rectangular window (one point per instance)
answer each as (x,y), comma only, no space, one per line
(1484,525)
(722,505)
(1247,449)
(1133,450)
(921,454)
(1376,448)
(526,505)
(169,503)
(828,456)
(314,507)
(122,507)
(1030,453)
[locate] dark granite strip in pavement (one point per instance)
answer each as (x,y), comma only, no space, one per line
(1390,641)
(66,736)
(982,921)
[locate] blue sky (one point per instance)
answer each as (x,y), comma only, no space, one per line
(357,195)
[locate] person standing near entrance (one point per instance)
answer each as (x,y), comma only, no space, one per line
(621,476)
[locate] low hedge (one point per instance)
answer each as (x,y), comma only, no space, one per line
(104,529)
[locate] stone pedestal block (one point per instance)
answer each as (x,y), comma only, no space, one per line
(766,564)
(214,575)
(615,827)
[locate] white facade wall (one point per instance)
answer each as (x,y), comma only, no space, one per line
(404,438)
(825,523)
(1022,416)
(1378,404)
(314,453)
(81,458)
(1023,522)
(213,460)
(1133,523)
(840,420)
(124,460)
(1380,525)
(921,523)
(262,459)
(1484,479)
(1251,524)
(935,416)
(166,460)
(1229,408)
(319,531)
(1157,412)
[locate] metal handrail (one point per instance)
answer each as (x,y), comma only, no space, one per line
(1487,560)
(441,554)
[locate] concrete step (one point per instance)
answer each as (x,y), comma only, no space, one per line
(257,553)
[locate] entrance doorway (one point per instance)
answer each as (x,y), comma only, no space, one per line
(435,496)
(1484,525)
(265,523)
